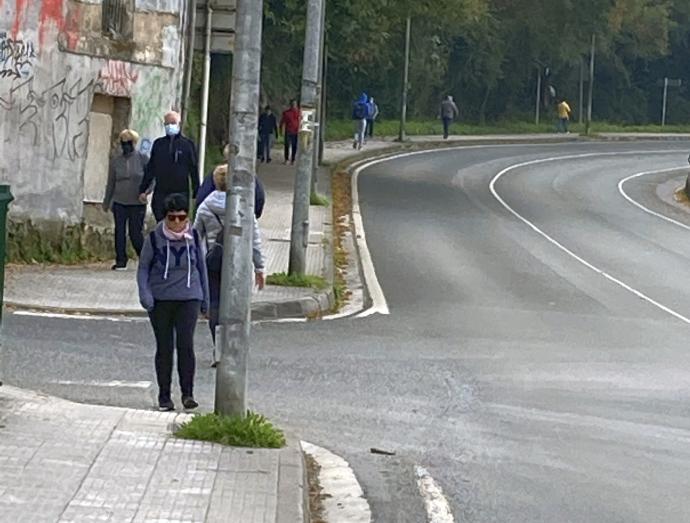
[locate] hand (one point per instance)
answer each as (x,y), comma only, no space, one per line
(106,207)
(260,280)
(144,198)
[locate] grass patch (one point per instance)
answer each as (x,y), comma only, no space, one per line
(252,430)
(344,129)
(316,495)
(297,280)
(319,199)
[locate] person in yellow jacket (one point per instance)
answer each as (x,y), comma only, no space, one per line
(563,116)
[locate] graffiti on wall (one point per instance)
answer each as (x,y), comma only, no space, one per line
(117,78)
(56,118)
(50,15)
(16,57)
(146,111)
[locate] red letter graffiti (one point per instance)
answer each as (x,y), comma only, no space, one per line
(117,78)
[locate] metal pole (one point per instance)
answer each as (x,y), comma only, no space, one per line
(319,95)
(581,112)
(406,80)
(204,91)
(299,235)
(591,85)
(324,103)
(189,65)
(663,109)
(236,278)
(537,108)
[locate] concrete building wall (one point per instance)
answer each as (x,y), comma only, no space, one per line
(54,59)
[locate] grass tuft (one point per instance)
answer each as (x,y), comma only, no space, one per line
(319,199)
(297,280)
(252,430)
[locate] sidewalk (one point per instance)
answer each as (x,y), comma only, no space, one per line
(95,289)
(67,462)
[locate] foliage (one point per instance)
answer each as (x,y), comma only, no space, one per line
(296,280)
(252,430)
(319,199)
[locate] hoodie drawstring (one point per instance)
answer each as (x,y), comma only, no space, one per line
(167,259)
(189,265)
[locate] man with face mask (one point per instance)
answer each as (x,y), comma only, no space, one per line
(122,197)
(173,164)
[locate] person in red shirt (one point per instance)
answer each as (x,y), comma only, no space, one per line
(289,124)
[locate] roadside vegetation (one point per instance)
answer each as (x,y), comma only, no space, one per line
(297,280)
(252,430)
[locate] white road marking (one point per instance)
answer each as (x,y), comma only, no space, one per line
(65,316)
(343,499)
(106,384)
(612,279)
(645,209)
(436,504)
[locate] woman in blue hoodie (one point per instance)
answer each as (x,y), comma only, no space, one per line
(173,288)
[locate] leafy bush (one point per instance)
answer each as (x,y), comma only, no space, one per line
(296,280)
(252,430)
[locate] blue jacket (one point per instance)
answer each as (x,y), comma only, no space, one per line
(209,186)
(362,101)
(172,165)
(172,270)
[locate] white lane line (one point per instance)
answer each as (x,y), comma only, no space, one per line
(343,498)
(106,384)
(436,504)
(612,279)
(65,316)
(645,209)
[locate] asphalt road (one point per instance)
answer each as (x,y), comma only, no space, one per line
(535,361)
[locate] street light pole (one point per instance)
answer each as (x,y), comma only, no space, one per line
(663,108)
(236,277)
(588,125)
(406,81)
(537,108)
(205,90)
(189,64)
(581,106)
(299,235)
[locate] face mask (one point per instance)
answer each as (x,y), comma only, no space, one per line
(171,129)
(127,148)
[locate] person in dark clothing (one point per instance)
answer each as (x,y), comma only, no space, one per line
(268,130)
(122,197)
(209,186)
(173,288)
(173,164)
(289,125)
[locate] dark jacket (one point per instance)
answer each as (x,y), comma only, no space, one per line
(259,194)
(173,164)
(124,178)
(268,124)
(172,270)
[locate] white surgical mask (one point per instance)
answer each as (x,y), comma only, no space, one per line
(172,129)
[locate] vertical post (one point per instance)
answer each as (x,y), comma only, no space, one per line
(537,106)
(581,106)
(318,130)
(591,85)
(324,103)
(299,235)
(205,89)
(189,64)
(663,107)
(236,278)
(406,81)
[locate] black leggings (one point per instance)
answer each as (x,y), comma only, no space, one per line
(173,325)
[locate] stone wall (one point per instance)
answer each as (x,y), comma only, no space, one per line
(54,58)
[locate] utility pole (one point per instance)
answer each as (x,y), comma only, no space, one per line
(324,103)
(588,125)
(581,106)
(406,80)
(537,108)
(299,235)
(318,130)
(205,88)
(189,65)
(236,278)
(663,108)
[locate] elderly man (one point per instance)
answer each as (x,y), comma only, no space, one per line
(173,165)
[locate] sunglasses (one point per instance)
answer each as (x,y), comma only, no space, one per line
(176,217)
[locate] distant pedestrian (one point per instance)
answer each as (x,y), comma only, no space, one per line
(449,111)
(209,186)
(209,224)
(268,130)
(173,165)
(289,125)
(373,115)
(564,113)
(360,115)
(122,197)
(173,288)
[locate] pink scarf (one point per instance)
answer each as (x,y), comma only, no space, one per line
(186,234)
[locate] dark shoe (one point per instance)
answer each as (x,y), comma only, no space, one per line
(118,267)
(189,403)
(214,364)
(269,160)
(166,405)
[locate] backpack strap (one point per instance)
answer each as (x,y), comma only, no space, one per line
(154,246)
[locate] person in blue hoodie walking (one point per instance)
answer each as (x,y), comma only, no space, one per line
(360,113)
(173,288)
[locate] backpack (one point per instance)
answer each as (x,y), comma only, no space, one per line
(214,256)
(360,111)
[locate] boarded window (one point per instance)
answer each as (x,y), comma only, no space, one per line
(118,19)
